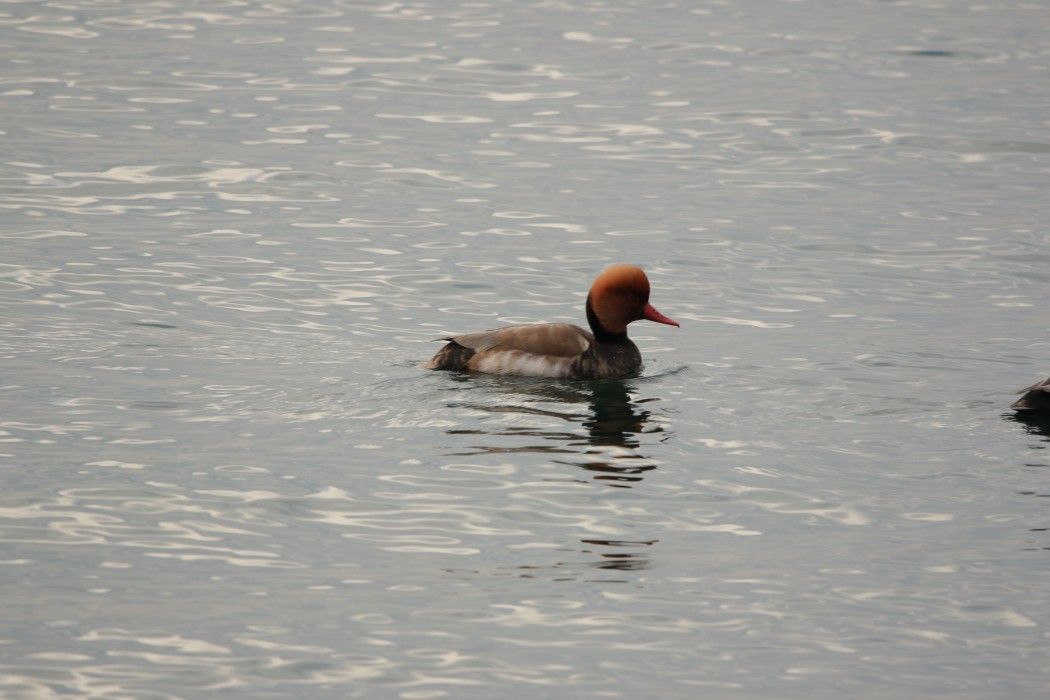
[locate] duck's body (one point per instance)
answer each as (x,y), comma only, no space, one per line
(539,350)
(619,296)
(1036,399)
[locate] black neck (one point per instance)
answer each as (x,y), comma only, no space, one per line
(600,334)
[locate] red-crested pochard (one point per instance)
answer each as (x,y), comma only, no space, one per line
(619,296)
(1036,399)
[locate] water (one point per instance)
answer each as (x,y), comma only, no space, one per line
(231,230)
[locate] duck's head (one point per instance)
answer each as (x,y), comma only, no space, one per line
(620,296)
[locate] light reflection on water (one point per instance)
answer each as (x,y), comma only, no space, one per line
(230,232)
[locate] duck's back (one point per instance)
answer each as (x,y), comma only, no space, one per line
(536,350)
(1036,399)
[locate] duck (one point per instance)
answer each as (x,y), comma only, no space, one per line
(618,297)
(1036,399)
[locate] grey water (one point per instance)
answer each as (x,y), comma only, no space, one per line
(231,230)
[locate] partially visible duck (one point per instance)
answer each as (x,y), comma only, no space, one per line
(618,297)
(1036,399)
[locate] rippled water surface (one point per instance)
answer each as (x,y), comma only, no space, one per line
(231,230)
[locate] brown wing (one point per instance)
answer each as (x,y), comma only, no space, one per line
(552,339)
(542,339)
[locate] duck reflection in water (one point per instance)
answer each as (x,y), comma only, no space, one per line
(608,439)
(612,428)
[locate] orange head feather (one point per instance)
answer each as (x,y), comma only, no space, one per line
(619,296)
